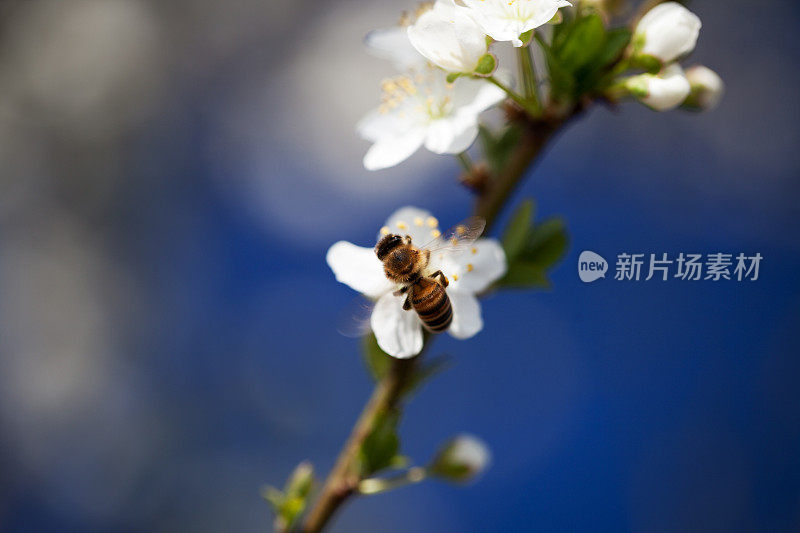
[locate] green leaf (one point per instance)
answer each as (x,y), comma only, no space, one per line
(486,65)
(497,149)
(425,372)
(289,504)
(562,82)
(586,38)
(381,446)
(377,361)
(516,233)
(522,275)
(547,244)
(616,42)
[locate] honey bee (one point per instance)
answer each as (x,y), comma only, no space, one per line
(410,266)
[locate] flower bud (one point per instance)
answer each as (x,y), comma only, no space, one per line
(448,37)
(706,88)
(667,32)
(460,459)
(661,92)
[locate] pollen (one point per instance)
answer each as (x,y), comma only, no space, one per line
(436,234)
(474,250)
(455,277)
(470,268)
(402,225)
(432,222)
(418,221)
(385,230)
(454,241)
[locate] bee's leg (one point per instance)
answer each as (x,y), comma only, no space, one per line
(443,281)
(407,303)
(401,291)
(407,240)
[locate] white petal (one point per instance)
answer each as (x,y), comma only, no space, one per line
(506,21)
(667,90)
(669,31)
(448,37)
(398,332)
(392,44)
(418,223)
(475,96)
(389,151)
(467,319)
(453,134)
(474,270)
(358,268)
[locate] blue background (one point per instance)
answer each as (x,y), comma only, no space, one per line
(612,406)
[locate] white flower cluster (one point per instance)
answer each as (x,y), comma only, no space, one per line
(422,106)
(399,332)
(667,33)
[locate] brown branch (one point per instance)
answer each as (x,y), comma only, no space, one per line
(344,477)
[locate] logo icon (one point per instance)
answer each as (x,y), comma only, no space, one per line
(591,267)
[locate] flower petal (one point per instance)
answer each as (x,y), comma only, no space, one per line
(393,45)
(473,270)
(391,150)
(449,37)
(506,21)
(398,332)
(358,268)
(414,222)
(467,319)
(453,134)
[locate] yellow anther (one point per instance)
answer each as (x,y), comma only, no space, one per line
(432,222)
(455,277)
(454,241)
(402,225)
(474,250)
(470,268)
(436,234)
(418,221)
(385,230)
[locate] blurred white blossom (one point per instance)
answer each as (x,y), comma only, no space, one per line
(507,20)
(667,32)
(663,91)
(399,332)
(461,459)
(447,35)
(707,87)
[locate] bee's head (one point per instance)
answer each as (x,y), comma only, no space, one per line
(386,245)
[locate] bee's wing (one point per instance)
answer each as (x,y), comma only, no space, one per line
(353,321)
(458,238)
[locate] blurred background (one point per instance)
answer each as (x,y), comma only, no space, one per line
(172,175)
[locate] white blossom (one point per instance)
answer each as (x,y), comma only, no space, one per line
(662,92)
(461,459)
(393,45)
(399,332)
(422,108)
(507,20)
(448,37)
(707,87)
(667,32)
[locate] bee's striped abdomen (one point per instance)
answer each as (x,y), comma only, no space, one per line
(432,304)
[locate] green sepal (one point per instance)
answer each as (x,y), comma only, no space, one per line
(487,64)
(381,446)
(453,76)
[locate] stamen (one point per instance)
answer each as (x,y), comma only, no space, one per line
(455,277)
(418,221)
(402,225)
(432,222)
(385,230)
(470,268)
(436,234)
(474,250)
